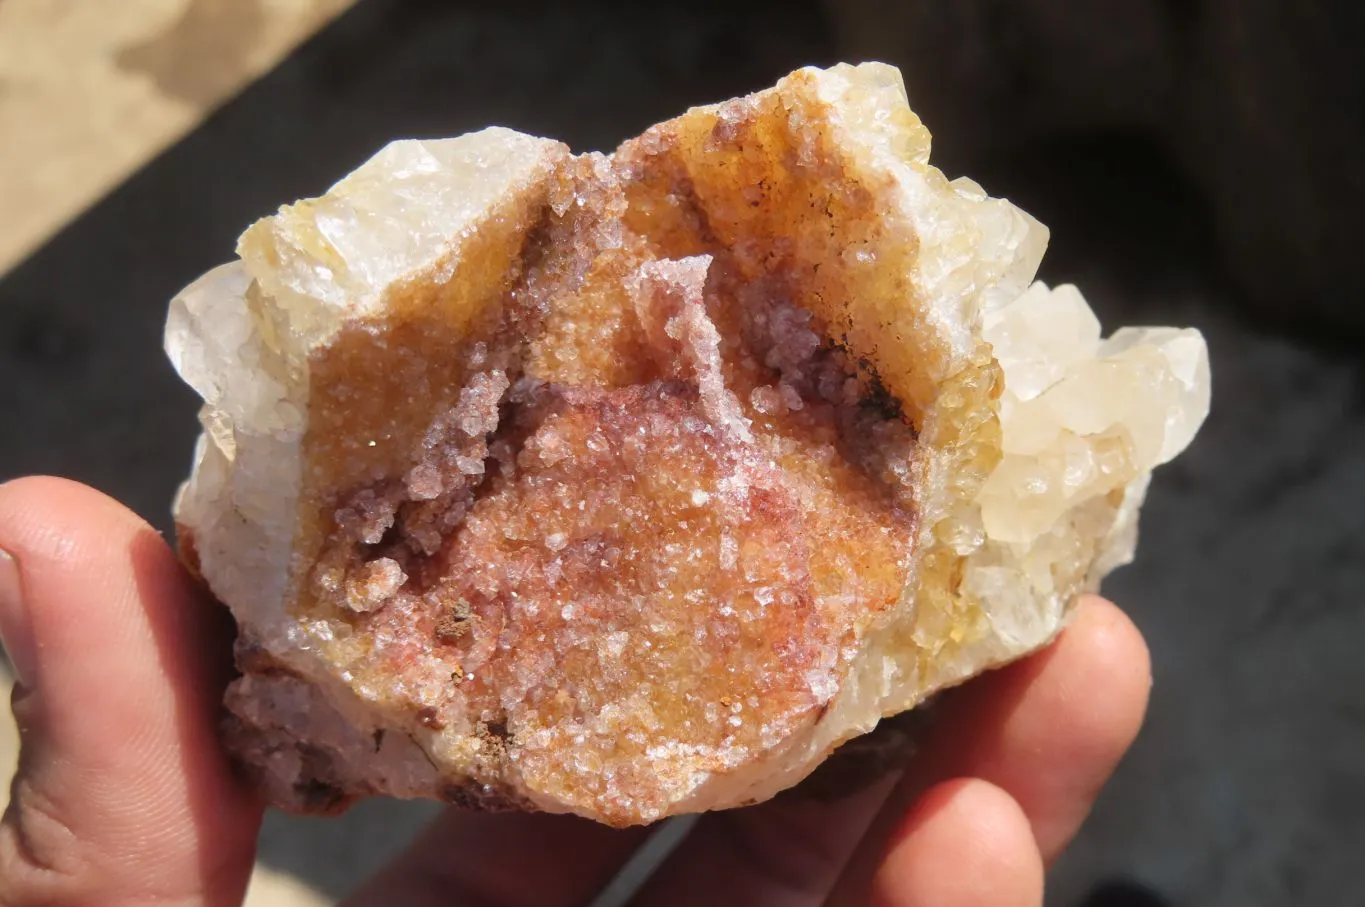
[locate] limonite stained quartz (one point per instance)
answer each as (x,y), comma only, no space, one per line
(634,485)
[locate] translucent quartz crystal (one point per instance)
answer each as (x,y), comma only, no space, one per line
(635,485)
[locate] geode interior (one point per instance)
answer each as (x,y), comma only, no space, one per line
(633,485)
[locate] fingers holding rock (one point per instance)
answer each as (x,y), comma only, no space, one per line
(123,795)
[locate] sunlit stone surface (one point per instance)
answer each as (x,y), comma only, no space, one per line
(634,485)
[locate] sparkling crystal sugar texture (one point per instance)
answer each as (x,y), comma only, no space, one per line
(634,485)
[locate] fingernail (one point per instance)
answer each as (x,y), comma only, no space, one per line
(15,631)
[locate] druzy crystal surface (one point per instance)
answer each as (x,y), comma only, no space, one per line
(634,485)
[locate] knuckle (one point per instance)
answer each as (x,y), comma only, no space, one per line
(41,860)
(46,862)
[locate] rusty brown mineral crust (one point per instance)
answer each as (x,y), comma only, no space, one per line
(634,485)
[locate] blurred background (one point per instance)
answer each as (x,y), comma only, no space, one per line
(1198,161)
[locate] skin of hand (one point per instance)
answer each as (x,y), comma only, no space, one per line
(125,797)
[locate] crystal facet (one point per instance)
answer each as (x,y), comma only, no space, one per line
(634,485)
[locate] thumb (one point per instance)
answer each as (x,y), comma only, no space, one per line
(123,795)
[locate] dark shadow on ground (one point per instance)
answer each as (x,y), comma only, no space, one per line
(1246,784)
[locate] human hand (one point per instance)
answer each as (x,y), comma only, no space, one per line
(124,796)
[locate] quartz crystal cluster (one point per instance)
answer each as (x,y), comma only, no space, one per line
(634,485)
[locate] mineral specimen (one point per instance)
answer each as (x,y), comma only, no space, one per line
(634,485)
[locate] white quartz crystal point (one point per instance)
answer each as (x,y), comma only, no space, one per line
(1082,417)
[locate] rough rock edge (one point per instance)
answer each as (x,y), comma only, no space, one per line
(236,511)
